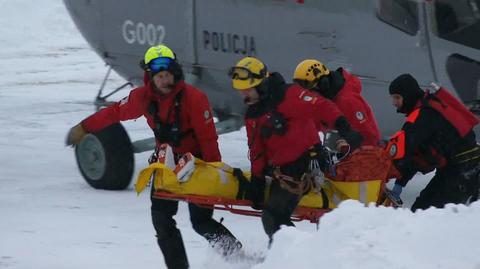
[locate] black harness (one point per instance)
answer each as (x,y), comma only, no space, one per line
(270,98)
(169,133)
(276,123)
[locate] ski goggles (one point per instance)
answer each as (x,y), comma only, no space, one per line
(159,64)
(242,73)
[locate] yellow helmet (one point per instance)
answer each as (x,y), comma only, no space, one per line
(158,51)
(248,73)
(309,71)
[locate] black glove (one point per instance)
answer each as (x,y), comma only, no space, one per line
(394,195)
(243,184)
(256,192)
(354,138)
(320,157)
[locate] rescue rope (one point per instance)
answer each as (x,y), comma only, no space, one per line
(293,185)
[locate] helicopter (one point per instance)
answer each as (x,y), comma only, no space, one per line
(376,40)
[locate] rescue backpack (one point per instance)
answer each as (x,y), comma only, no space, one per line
(452,109)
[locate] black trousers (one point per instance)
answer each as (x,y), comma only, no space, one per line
(458,184)
(169,237)
(281,203)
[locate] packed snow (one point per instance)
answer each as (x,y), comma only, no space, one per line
(50,218)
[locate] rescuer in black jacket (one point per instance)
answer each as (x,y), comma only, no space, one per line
(438,134)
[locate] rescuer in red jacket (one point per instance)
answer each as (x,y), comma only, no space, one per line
(438,134)
(282,138)
(344,89)
(180,115)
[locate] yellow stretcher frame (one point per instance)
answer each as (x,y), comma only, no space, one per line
(222,188)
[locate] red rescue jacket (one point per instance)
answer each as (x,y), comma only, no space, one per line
(297,107)
(357,111)
(195,116)
(326,112)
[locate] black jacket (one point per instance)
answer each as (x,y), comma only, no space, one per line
(428,140)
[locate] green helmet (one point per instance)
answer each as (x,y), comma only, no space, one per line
(158,51)
(161,58)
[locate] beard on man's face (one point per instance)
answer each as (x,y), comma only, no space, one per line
(166,88)
(170,86)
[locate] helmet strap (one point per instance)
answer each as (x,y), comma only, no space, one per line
(262,89)
(324,83)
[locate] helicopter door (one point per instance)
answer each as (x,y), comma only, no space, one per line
(455,45)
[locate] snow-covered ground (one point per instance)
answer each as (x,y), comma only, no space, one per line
(50,218)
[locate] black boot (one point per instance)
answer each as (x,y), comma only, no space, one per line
(216,234)
(223,240)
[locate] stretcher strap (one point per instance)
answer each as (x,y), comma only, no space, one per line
(293,185)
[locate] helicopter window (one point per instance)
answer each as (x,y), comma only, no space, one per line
(464,73)
(402,14)
(459,21)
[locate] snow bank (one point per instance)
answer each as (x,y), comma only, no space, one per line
(355,236)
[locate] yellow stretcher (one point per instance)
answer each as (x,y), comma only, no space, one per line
(213,184)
